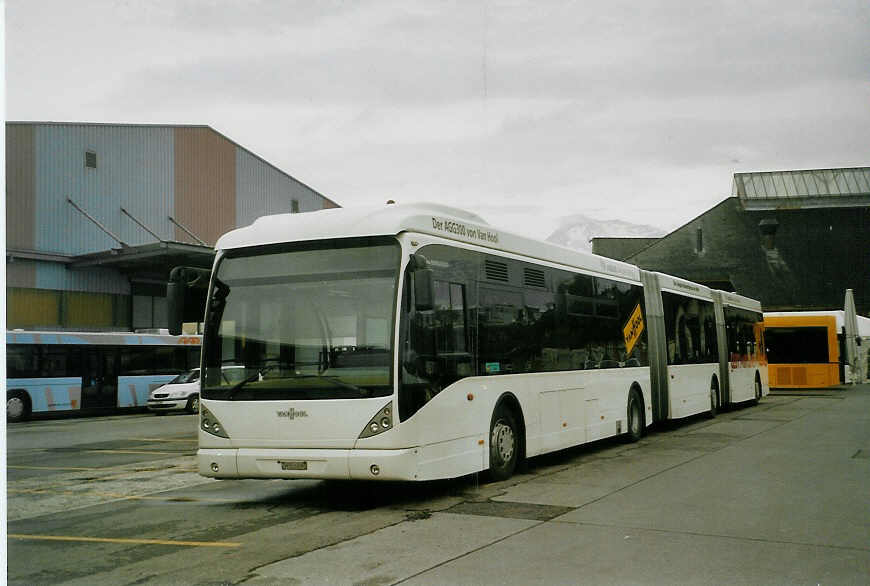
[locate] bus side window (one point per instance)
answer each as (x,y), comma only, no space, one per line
(502,347)
(442,336)
(689,329)
(22,361)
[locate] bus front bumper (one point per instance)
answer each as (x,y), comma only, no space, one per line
(294,463)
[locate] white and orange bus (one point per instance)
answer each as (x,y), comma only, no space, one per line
(806,349)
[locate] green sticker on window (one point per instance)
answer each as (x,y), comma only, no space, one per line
(493,367)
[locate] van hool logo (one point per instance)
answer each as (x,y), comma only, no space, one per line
(292,413)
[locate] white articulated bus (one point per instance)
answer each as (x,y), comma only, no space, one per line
(415,342)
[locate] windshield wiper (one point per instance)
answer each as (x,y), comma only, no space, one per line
(241,384)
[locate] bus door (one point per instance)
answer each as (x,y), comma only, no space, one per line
(100,378)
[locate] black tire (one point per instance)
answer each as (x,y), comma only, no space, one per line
(758,390)
(636,419)
(714,399)
(192,404)
(17,406)
(504,444)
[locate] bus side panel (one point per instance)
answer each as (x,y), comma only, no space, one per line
(50,394)
(452,458)
(133,390)
(798,376)
(582,406)
(742,382)
(690,388)
(559,409)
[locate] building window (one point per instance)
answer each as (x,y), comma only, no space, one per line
(699,240)
(91,159)
(294,206)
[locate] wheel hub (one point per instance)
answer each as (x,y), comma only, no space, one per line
(14,407)
(503,440)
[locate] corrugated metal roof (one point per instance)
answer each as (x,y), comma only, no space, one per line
(814,183)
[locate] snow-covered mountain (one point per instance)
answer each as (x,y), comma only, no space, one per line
(576,230)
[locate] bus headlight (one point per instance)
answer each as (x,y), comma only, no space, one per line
(210,424)
(381,422)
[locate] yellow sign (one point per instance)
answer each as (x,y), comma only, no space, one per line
(633,329)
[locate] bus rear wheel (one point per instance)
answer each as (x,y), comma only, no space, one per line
(714,399)
(635,417)
(503,444)
(17,406)
(757,390)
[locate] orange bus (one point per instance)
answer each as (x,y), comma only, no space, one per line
(803,349)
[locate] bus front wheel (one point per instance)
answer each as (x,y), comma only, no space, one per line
(503,444)
(17,406)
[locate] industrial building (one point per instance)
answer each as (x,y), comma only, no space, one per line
(98,214)
(795,240)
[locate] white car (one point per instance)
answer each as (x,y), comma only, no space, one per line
(181,393)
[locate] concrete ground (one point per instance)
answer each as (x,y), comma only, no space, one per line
(777,493)
(773,494)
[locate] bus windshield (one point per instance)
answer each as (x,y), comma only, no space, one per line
(310,321)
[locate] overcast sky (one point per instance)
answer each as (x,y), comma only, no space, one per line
(520,111)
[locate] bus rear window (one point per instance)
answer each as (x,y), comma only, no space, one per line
(807,345)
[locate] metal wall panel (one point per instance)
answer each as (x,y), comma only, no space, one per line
(309,200)
(93,280)
(202,179)
(31,308)
(21,273)
(261,189)
(20,187)
(251,181)
(205,183)
(134,170)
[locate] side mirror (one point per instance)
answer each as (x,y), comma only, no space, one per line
(175,298)
(424,290)
(179,298)
(424,285)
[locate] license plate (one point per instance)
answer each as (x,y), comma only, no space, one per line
(294,465)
